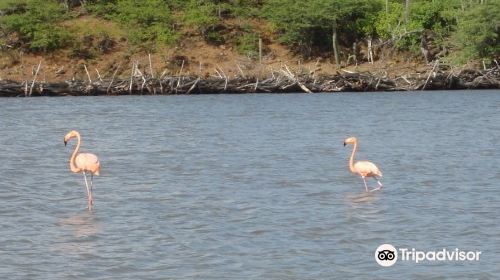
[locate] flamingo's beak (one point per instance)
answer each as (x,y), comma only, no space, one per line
(65,142)
(344,144)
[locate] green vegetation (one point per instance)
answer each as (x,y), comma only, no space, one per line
(248,44)
(478,32)
(309,26)
(203,15)
(34,22)
(147,22)
(456,30)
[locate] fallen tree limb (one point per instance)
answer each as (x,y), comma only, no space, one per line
(282,81)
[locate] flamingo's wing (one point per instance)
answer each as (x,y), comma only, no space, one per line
(87,162)
(367,168)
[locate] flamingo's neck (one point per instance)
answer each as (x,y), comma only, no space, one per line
(72,164)
(351,160)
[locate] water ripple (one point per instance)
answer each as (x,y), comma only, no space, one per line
(249,186)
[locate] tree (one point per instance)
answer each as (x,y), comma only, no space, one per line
(478,33)
(429,23)
(319,25)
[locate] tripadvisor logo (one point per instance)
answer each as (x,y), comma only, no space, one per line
(387,255)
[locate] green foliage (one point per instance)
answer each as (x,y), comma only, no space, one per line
(201,14)
(206,16)
(146,20)
(35,23)
(310,24)
(10,4)
(214,37)
(478,33)
(469,29)
(388,24)
(103,8)
(245,8)
(248,44)
(434,17)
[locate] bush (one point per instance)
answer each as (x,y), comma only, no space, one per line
(478,33)
(214,37)
(245,8)
(201,14)
(102,8)
(35,23)
(146,21)
(91,45)
(248,44)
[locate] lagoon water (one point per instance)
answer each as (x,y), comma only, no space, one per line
(250,186)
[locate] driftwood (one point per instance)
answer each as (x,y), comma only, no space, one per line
(281,81)
(34,79)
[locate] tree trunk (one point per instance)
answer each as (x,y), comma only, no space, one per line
(370,50)
(407,10)
(335,44)
(424,48)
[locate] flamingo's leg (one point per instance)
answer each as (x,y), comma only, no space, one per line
(379,185)
(364,181)
(86,185)
(88,190)
(91,188)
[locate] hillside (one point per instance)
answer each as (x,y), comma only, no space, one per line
(192,55)
(207,38)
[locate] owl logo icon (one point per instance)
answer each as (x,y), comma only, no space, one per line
(386,255)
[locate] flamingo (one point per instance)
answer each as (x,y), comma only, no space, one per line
(363,168)
(84,163)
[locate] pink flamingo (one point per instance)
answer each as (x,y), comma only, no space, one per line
(363,168)
(83,162)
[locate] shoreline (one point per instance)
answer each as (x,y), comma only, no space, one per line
(280,81)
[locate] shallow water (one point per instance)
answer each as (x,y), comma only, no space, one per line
(249,186)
